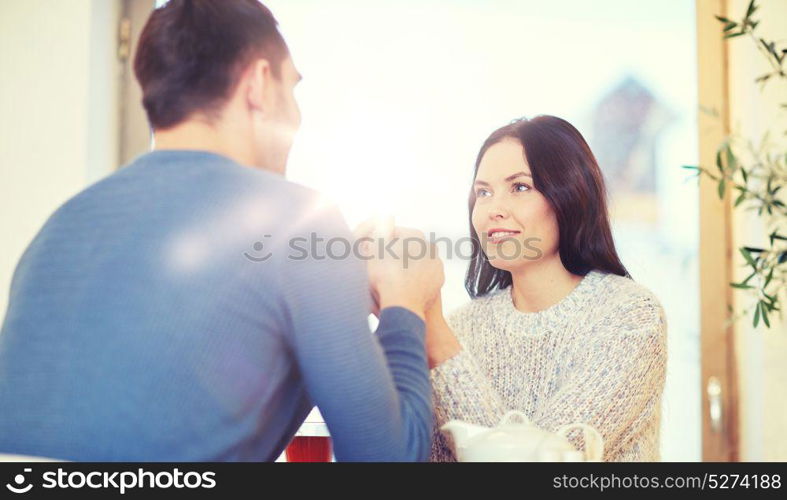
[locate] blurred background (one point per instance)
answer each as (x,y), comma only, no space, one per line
(397,98)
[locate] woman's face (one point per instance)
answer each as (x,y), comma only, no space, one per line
(515,223)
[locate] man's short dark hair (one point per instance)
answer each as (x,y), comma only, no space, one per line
(191,53)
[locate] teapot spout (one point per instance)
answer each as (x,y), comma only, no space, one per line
(461,432)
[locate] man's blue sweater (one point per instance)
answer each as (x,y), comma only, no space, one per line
(188,308)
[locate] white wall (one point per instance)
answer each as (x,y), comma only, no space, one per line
(58,112)
(761,352)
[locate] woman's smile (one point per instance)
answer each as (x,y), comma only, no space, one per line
(499,235)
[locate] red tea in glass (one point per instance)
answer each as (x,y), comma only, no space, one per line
(309,449)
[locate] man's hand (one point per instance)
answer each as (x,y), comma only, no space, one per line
(404,269)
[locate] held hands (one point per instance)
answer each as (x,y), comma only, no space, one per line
(409,277)
(404,269)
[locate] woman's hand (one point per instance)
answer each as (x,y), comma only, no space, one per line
(441,343)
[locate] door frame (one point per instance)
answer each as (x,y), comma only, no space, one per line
(134,130)
(719,384)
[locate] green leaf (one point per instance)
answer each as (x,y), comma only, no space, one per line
(722,19)
(740,198)
(772,50)
(722,185)
(730,26)
(748,257)
(768,279)
(757,315)
(745,175)
(731,161)
(741,286)
(765,314)
(733,35)
(719,163)
(752,275)
(750,10)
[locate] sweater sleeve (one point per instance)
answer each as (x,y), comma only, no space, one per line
(613,382)
(372,390)
(460,388)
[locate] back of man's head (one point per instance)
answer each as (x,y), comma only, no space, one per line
(191,54)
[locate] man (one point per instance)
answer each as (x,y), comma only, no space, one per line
(190,306)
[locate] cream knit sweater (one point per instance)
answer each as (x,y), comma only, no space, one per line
(597,357)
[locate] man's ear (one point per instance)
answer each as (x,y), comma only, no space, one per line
(258,85)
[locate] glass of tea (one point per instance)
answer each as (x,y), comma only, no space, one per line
(309,449)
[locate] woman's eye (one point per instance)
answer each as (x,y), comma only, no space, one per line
(521,188)
(481,193)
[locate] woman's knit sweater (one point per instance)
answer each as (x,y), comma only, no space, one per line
(597,357)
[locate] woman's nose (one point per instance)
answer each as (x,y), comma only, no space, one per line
(497,212)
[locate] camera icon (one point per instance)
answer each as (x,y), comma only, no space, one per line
(19,480)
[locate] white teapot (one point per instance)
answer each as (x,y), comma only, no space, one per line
(515,439)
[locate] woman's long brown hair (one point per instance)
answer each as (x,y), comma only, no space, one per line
(566,172)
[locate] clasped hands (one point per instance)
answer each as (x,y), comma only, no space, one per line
(398,278)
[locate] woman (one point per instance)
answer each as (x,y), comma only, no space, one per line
(557,328)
